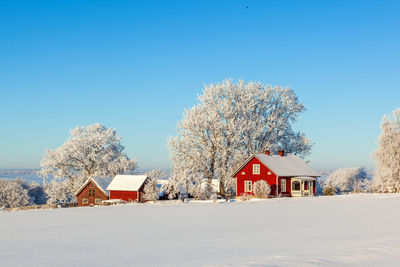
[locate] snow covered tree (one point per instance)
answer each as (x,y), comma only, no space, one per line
(59,191)
(151,191)
(35,191)
(230,122)
(319,187)
(12,194)
(347,179)
(387,172)
(183,182)
(157,174)
(261,189)
(91,151)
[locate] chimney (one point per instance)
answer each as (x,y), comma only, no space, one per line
(281,153)
(267,152)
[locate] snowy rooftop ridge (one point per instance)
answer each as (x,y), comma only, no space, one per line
(290,165)
(127,182)
(101,182)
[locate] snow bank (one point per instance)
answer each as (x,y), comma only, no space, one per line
(342,230)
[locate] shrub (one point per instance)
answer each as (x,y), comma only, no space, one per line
(151,191)
(329,190)
(261,189)
(245,197)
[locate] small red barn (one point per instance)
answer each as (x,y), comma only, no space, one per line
(93,191)
(288,175)
(127,187)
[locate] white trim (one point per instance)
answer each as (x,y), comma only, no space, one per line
(251,186)
(86,183)
(283,185)
(256,168)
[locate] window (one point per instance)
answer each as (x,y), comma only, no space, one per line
(305,185)
(98,201)
(91,192)
(283,185)
(85,201)
(256,168)
(296,186)
(91,185)
(247,186)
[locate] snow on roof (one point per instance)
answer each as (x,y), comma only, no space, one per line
(290,165)
(127,182)
(103,182)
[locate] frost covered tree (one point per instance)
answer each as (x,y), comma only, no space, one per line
(151,191)
(59,191)
(347,179)
(183,182)
(12,194)
(230,122)
(35,191)
(91,151)
(157,174)
(261,189)
(387,172)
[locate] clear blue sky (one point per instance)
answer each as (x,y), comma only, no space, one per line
(135,66)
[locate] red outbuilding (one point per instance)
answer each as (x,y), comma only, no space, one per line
(93,191)
(288,175)
(127,187)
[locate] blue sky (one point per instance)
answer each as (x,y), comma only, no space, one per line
(135,66)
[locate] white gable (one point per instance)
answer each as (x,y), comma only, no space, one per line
(289,165)
(127,182)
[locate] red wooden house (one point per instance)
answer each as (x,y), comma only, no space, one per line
(93,191)
(127,187)
(288,175)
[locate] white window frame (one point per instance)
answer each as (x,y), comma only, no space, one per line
(256,168)
(97,200)
(85,201)
(248,184)
(283,185)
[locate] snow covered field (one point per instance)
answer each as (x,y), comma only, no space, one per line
(361,230)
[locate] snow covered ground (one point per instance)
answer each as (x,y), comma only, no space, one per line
(355,230)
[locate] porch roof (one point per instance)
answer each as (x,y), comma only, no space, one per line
(305,178)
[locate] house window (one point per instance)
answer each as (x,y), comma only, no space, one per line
(91,185)
(85,201)
(91,192)
(283,185)
(256,168)
(247,186)
(296,186)
(98,200)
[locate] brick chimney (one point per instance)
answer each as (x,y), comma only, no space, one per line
(267,152)
(281,153)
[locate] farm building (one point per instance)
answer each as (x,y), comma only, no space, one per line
(288,175)
(127,187)
(93,191)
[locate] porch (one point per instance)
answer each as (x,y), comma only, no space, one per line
(302,186)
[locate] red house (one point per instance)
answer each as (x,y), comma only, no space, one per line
(288,175)
(93,191)
(127,187)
